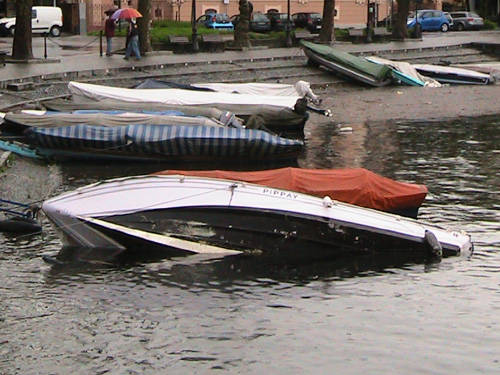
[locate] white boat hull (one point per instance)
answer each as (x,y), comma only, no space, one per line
(203,215)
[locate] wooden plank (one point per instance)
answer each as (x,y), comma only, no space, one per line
(178,39)
(381,31)
(304,35)
(212,38)
(356,32)
(214,42)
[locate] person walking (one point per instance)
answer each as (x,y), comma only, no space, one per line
(109,31)
(133,40)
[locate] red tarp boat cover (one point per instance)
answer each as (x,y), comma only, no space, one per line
(356,186)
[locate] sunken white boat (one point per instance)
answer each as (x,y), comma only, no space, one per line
(186,215)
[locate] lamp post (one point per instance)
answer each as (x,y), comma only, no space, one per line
(333,21)
(194,34)
(288,36)
(368,31)
(418,28)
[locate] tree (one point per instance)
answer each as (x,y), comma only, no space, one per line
(241,38)
(144,23)
(399,29)
(327,25)
(22,45)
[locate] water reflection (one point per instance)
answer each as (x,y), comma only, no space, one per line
(205,271)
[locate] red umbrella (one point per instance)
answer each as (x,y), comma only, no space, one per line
(126,13)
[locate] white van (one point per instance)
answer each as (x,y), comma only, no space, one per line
(43,20)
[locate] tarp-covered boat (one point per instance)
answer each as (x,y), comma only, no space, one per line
(405,72)
(354,67)
(79,103)
(356,186)
(159,142)
(178,96)
(278,119)
(28,118)
(187,215)
(299,89)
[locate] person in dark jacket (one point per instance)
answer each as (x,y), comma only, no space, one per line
(133,40)
(109,32)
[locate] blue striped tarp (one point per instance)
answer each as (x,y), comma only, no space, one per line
(178,141)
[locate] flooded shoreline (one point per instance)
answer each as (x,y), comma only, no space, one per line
(197,315)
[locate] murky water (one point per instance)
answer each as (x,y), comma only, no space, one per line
(196,315)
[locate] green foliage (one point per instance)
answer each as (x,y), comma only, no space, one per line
(341,34)
(162,29)
(489,25)
(172,24)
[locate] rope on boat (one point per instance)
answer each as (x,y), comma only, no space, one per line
(29,211)
(21,217)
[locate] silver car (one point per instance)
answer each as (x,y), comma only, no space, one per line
(466,21)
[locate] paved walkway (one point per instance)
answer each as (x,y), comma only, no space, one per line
(81,53)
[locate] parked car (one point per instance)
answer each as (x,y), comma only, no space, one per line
(43,20)
(466,21)
(216,21)
(258,22)
(308,21)
(450,20)
(279,21)
(430,20)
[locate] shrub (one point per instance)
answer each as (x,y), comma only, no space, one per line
(489,25)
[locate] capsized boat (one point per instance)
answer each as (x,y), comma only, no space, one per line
(356,186)
(161,143)
(187,215)
(449,74)
(351,66)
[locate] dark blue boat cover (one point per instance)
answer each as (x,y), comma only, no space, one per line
(164,140)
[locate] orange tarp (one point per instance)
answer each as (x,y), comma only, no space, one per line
(356,186)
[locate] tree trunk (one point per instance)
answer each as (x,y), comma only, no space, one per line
(399,29)
(327,29)
(241,38)
(22,46)
(144,23)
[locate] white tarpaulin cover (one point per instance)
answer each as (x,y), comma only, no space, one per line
(301,88)
(407,69)
(178,96)
(451,70)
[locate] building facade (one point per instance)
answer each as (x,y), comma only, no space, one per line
(350,13)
